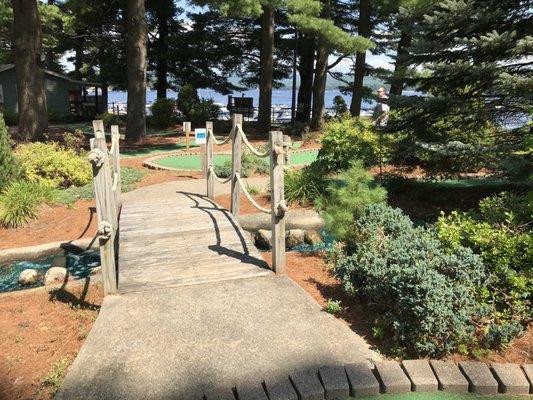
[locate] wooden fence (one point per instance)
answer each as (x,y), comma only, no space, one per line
(107,191)
(277,151)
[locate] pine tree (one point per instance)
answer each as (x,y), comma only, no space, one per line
(9,166)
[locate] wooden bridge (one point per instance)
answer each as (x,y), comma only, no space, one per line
(189,239)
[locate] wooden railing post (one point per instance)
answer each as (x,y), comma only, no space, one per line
(187,130)
(105,207)
(209,160)
(279,207)
(236,159)
(115,146)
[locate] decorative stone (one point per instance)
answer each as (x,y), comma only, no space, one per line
(96,270)
(335,382)
(59,261)
(528,371)
(307,385)
(479,377)
(511,379)
(28,277)
(362,380)
(263,239)
(392,378)
(449,377)
(280,389)
(294,237)
(312,238)
(421,375)
(55,275)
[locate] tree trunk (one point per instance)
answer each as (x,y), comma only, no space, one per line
(33,120)
(266,67)
(161,50)
(365,9)
(78,55)
(305,70)
(319,84)
(136,38)
(400,66)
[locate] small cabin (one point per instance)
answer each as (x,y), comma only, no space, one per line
(65,96)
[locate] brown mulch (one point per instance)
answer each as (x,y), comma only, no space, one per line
(55,224)
(310,271)
(40,329)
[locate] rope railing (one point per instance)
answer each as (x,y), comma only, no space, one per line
(107,193)
(277,150)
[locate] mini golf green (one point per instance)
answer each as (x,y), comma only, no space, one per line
(193,161)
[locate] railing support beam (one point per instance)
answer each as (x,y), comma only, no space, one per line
(278,205)
(209,160)
(236,160)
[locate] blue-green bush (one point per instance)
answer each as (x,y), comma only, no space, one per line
(423,295)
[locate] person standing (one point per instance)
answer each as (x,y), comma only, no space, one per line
(380,116)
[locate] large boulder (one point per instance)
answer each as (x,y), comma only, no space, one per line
(263,239)
(294,237)
(312,238)
(55,275)
(29,276)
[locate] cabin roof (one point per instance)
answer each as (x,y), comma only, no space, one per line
(7,67)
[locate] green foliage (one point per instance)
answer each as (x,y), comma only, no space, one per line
(19,202)
(9,166)
(339,106)
(304,186)
(204,110)
(345,141)
(109,119)
(333,306)
(53,164)
(423,295)
(187,98)
(500,234)
(347,197)
(249,164)
(163,113)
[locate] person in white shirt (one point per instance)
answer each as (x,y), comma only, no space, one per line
(381,111)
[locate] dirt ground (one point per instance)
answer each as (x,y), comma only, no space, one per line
(41,332)
(310,271)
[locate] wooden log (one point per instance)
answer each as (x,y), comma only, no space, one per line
(278,215)
(115,138)
(187,130)
(105,207)
(236,159)
(209,161)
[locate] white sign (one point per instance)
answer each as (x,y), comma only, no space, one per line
(200,135)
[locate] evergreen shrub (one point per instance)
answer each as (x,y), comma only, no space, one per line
(424,296)
(9,166)
(163,113)
(304,186)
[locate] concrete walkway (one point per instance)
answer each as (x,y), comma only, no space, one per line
(177,342)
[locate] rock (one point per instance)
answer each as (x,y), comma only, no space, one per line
(59,261)
(28,277)
(55,275)
(294,237)
(263,239)
(312,238)
(96,270)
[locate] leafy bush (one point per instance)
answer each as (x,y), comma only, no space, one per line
(424,296)
(304,186)
(109,119)
(163,113)
(204,110)
(53,164)
(333,306)
(187,98)
(339,106)
(74,140)
(500,234)
(346,198)
(345,141)
(9,166)
(19,202)
(11,118)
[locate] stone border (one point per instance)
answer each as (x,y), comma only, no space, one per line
(47,249)
(363,379)
(150,162)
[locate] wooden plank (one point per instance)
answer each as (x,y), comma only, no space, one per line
(187,129)
(236,161)
(115,145)
(277,199)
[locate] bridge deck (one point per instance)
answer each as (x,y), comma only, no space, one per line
(187,241)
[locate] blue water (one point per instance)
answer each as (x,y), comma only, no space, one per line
(79,266)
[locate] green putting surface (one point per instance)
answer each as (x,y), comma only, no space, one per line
(440,396)
(193,161)
(150,151)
